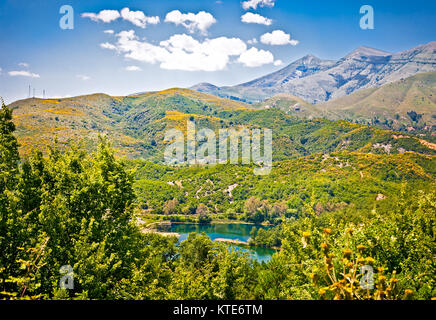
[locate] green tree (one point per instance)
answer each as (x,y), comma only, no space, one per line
(10,222)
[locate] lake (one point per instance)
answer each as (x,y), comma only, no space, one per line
(232,231)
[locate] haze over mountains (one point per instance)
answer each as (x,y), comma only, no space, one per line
(316,80)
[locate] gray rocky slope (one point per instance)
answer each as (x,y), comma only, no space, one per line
(316,80)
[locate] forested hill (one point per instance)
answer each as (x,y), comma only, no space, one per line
(136,125)
(334,211)
(336,182)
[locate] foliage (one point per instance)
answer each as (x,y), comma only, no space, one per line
(333,212)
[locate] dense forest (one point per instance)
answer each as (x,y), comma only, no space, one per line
(333,215)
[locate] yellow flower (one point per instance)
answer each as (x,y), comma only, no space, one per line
(324,247)
(347,253)
(407,294)
(360,247)
(349,231)
(328,231)
(370,261)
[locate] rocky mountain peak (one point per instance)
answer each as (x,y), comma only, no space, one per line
(367,52)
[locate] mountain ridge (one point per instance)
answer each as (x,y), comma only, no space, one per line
(136,125)
(316,80)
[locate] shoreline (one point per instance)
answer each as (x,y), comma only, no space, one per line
(163,222)
(152,228)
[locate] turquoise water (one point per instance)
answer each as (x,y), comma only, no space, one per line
(233,231)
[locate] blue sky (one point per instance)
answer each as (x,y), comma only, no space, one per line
(167,43)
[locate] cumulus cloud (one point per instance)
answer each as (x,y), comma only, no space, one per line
(210,55)
(255,57)
(180,51)
(250,17)
(109,31)
(105,16)
(133,68)
(138,18)
(107,45)
(24,64)
(278,63)
(253,4)
(83,77)
(277,38)
(129,44)
(252,41)
(191,21)
(23,74)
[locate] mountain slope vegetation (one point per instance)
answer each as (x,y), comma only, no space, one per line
(336,213)
(327,182)
(407,102)
(136,125)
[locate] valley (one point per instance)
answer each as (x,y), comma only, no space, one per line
(364,161)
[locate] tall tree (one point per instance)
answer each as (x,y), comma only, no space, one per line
(9,226)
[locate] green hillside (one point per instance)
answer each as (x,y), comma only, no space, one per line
(136,125)
(292,105)
(328,182)
(129,122)
(333,210)
(391,105)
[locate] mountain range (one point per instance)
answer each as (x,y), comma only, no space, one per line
(406,105)
(316,80)
(305,105)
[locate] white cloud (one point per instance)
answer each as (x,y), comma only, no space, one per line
(24,64)
(109,31)
(252,4)
(133,68)
(23,74)
(1,70)
(250,17)
(191,21)
(180,51)
(256,58)
(277,38)
(186,53)
(252,41)
(278,63)
(83,77)
(138,18)
(105,16)
(107,45)
(134,49)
